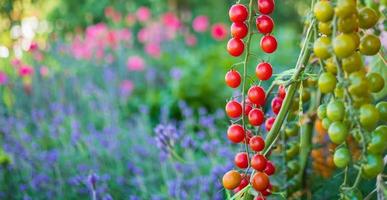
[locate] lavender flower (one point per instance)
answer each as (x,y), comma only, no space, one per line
(166,136)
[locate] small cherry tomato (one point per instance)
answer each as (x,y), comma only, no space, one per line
(256,95)
(264,24)
(233,78)
(238,13)
(327,82)
(349,24)
(276,105)
(375,82)
(322,111)
(369,45)
(269,123)
(239,30)
(266,6)
(260,181)
(369,116)
(263,71)
(325,28)
(374,165)
(335,110)
(378,143)
(323,10)
(281,92)
(268,44)
(382,108)
(256,117)
(321,47)
(352,63)
(231,179)
(338,132)
(342,157)
(257,143)
(235,47)
(344,45)
(345,8)
(241,160)
(258,162)
(367,18)
(270,168)
(236,133)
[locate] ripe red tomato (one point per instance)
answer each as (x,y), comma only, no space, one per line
(281,92)
(236,133)
(231,180)
(260,181)
(257,95)
(256,117)
(264,24)
(268,44)
(235,47)
(269,123)
(241,160)
(239,30)
(260,198)
(270,168)
(263,71)
(257,143)
(245,181)
(258,162)
(233,109)
(248,107)
(238,13)
(267,192)
(247,137)
(233,78)
(276,105)
(266,6)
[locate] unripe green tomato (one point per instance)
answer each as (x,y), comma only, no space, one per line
(339,92)
(337,132)
(382,108)
(345,8)
(322,111)
(358,83)
(369,116)
(378,143)
(291,129)
(352,63)
(361,100)
(293,168)
(305,95)
(342,157)
(321,47)
(344,45)
(367,18)
(375,82)
(326,123)
(374,166)
(330,66)
(369,45)
(327,82)
(323,11)
(355,38)
(348,24)
(335,110)
(293,150)
(325,28)
(354,194)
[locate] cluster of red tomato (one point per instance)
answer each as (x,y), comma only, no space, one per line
(252,107)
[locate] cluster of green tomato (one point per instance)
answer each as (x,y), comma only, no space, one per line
(348,85)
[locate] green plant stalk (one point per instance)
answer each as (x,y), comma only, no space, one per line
(305,147)
(302,61)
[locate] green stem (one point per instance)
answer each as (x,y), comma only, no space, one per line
(300,66)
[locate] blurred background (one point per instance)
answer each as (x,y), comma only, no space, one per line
(118,99)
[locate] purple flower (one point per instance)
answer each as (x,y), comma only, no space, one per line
(176,73)
(166,136)
(92,180)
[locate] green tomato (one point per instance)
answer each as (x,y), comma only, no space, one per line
(352,63)
(293,150)
(291,129)
(348,24)
(382,108)
(358,83)
(338,132)
(321,47)
(355,38)
(369,116)
(367,18)
(326,123)
(322,111)
(378,143)
(342,157)
(339,92)
(376,82)
(369,45)
(374,165)
(292,168)
(354,194)
(335,110)
(344,45)
(327,82)
(345,8)
(323,11)
(325,28)
(330,66)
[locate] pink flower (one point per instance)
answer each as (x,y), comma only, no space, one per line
(126,87)
(219,31)
(25,70)
(153,50)
(200,24)
(3,78)
(143,14)
(130,19)
(33,46)
(171,21)
(43,71)
(16,62)
(190,40)
(135,63)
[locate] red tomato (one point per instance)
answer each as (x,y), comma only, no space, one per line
(247,137)
(266,6)
(245,181)
(268,44)
(269,123)
(248,108)
(258,162)
(256,117)
(267,192)
(233,78)
(270,168)
(276,104)
(260,198)
(260,181)
(257,95)
(241,160)
(263,71)
(233,109)
(239,30)
(235,47)
(281,92)
(236,133)
(264,24)
(257,143)
(238,13)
